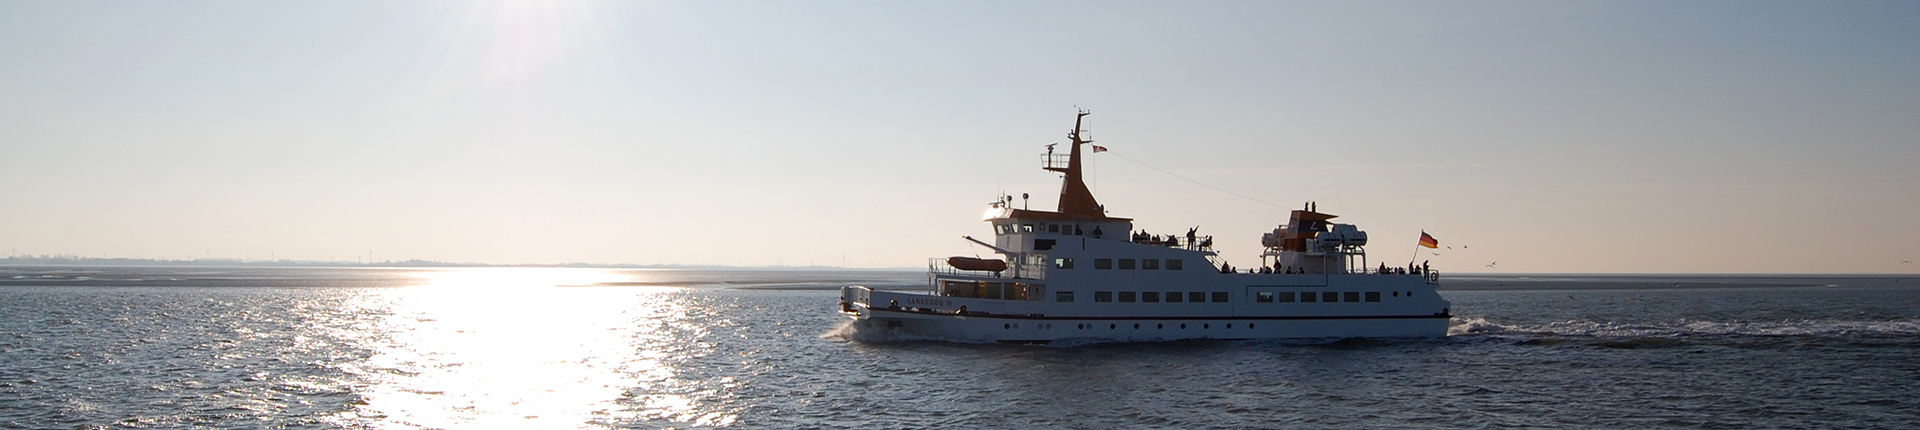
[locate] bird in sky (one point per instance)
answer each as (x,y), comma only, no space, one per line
(1493,263)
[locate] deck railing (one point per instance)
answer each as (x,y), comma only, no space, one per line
(1015,269)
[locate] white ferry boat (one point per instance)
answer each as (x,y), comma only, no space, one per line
(1076,273)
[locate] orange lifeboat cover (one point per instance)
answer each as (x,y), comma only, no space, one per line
(970,263)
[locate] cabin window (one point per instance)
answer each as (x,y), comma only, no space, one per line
(1102,263)
(1352,296)
(1103,296)
(1173,264)
(1330,297)
(1063,263)
(1197,297)
(1063,296)
(1150,297)
(1042,244)
(1126,296)
(1263,297)
(1373,296)
(1286,297)
(1150,264)
(1027,228)
(1020,291)
(1053,228)
(1173,297)
(1220,296)
(1309,297)
(1126,264)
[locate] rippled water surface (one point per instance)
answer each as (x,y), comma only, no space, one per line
(583,348)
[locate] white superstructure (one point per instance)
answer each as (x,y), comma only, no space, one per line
(1076,273)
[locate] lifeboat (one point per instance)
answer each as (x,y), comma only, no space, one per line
(970,263)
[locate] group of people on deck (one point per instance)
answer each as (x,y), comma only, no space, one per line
(1276,268)
(1420,269)
(1142,237)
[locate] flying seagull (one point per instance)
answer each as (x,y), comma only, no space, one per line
(1493,263)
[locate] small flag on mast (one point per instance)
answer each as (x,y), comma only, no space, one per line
(1098,148)
(1427,240)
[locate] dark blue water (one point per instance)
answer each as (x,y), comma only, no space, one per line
(579,348)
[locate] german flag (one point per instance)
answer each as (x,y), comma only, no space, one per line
(1428,241)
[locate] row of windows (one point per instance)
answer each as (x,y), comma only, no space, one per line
(1223,297)
(1136,326)
(1150,296)
(1125,264)
(1144,264)
(992,290)
(1068,229)
(1325,296)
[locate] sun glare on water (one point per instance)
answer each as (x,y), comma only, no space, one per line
(526,348)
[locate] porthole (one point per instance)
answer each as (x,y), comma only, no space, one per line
(1159,326)
(1136,326)
(1183,326)
(1249,326)
(1396,294)
(1206,326)
(1080,326)
(1112,326)
(1229,326)
(1006,326)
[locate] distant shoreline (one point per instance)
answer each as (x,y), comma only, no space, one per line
(406,264)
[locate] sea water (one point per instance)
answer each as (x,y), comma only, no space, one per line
(99,347)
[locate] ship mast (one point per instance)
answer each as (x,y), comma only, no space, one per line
(1075,199)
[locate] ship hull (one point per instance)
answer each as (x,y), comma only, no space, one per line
(912,324)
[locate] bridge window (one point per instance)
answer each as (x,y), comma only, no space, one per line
(1026,228)
(1063,296)
(1126,297)
(1063,263)
(1220,296)
(1102,263)
(1150,264)
(1150,297)
(1126,264)
(1173,264)
(1103,296)
(1373,296)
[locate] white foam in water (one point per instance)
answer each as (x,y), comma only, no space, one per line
(870,331)
(1469,326)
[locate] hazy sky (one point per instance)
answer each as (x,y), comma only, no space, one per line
(1548,136)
